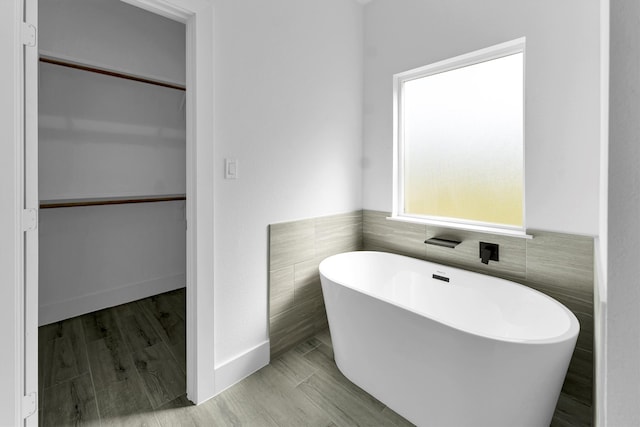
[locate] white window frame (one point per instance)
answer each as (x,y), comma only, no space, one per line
(478,56)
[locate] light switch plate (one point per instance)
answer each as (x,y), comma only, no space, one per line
(230,169)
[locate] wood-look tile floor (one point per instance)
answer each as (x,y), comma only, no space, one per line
(114,367)
(125,366)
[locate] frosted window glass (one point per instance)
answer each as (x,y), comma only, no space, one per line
(463,143)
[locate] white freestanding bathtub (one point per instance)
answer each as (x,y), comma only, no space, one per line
(447,347)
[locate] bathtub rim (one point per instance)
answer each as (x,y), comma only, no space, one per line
(570,334)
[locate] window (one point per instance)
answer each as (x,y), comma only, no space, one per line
(459,128)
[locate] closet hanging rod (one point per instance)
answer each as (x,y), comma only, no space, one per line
(91,69)
(51,204)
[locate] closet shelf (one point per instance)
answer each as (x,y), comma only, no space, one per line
(92,69)
(71,203)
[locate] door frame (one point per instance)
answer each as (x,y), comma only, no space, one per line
(197,15)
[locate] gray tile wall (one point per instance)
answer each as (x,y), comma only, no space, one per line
(560,265)
(296,248)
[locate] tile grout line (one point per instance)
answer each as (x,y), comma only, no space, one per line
(118,320)
(65,381)
(160,333)
(86,354)
(142,383)
(130,354)
(317,405)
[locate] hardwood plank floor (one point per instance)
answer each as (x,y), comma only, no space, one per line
(71,403)
(113,367)
(161,375)
(125,367)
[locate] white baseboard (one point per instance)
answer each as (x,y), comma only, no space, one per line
(57,311)
(235,370)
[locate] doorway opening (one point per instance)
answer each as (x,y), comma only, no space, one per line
(199,196)
(112,195)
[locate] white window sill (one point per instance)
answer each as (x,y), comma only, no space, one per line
(461,226)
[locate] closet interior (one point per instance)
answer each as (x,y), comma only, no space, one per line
(112,165)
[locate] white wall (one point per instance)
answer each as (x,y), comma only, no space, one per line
(288,90)
(103,136)
(623,274)
(9,129)
(562,93)
(113,35)
(101,256)
(288,83)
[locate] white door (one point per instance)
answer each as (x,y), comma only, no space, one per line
(30,216)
